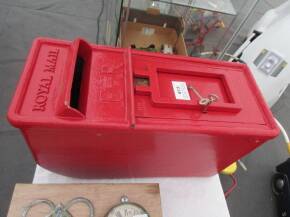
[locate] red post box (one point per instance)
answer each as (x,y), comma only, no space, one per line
(93,111)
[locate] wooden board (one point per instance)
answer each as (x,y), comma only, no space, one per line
(103,197)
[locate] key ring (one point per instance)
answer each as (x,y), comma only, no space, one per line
(204,101)
(35,203)
(59,210)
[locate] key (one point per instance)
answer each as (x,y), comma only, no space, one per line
(204,101)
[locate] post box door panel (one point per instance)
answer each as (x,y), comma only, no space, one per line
(157,97)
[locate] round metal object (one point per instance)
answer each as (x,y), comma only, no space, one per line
(204,101)
(124,199)
(279,184)
(127,209)
(213,97)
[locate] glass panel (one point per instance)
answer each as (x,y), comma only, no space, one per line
(206,26)
(108,22)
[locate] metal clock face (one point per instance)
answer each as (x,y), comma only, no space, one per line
(127,209)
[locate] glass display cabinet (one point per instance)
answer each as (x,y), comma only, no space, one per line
(201,28)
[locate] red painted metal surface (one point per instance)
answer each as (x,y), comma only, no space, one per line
(123,120)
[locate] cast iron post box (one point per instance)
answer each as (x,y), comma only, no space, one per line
(94,111)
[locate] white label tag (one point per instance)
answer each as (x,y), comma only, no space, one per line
(141,215)
(180,90)
(148,31)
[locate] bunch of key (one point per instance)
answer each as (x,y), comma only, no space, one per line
(204,101)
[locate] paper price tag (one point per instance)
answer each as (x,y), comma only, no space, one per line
(180,90)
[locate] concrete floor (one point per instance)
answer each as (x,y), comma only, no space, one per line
(253,196)
(22,21)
